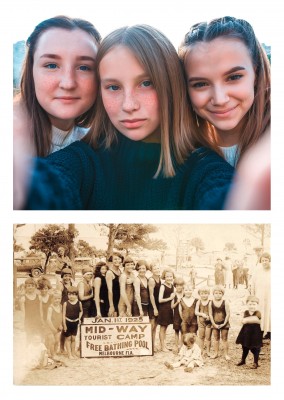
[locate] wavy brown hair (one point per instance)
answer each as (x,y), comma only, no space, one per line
(159,58)
(41,125)
(257,120)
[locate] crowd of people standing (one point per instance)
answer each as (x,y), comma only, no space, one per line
(121,286)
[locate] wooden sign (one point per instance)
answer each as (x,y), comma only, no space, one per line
(116,337)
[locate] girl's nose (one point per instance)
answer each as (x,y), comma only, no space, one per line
(219,96)
(68,80)
(130,102)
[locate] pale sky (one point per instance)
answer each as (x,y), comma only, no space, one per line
(214,236)
(174,18)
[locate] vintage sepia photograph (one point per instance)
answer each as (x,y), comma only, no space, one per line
(142,304)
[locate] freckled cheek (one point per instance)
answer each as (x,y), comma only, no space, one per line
(89,88)
(150,100)
(44,86)
(112,105)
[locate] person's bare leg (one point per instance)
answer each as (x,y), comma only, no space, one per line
(163,338)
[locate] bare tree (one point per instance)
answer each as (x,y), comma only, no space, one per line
(246,243)
(258,231)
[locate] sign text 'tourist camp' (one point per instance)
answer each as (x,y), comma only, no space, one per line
(116,337)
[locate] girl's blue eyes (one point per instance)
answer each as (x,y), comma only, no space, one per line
(114,88)
(198,85)
(235,77)
(84,68)
(54,66)
(51,66)
(146,83)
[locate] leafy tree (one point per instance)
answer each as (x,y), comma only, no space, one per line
(48,239)
(83,249)
(230,246)
(197,243)
(127,237)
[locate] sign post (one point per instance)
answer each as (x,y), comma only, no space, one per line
(116,337)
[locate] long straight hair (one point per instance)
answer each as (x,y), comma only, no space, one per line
(159,58)
(41,125)
(257,119)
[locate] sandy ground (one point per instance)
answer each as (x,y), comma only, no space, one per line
(150,370)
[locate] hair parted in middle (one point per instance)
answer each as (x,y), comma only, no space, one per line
(179,281)
(140,263)
(98,267)
(159,58)
(167,270)
(41,125)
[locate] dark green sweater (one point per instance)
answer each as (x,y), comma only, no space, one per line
(121,178)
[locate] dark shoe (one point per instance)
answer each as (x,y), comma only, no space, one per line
(254,366)
(242,362)
(267,336)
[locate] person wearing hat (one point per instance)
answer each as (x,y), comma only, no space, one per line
(85,292)
(64,261)
(250,335)
(112,280)
(65,283)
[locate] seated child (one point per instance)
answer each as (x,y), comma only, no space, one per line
(36,353)
(189,354)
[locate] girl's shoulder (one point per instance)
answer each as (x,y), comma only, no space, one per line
(111,273)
